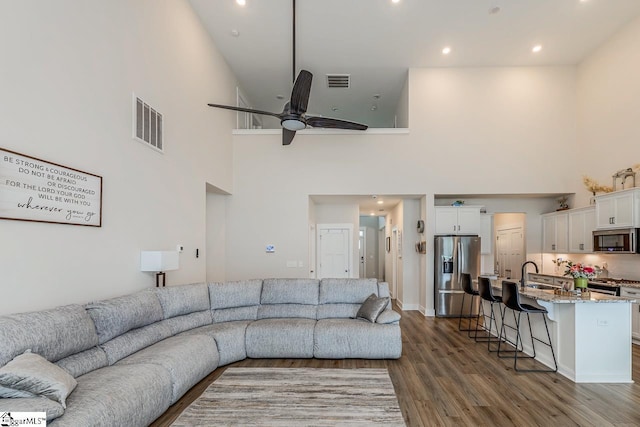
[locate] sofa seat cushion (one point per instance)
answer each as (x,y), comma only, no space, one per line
(53,334)
(229,337)
(184,299)
(280,338)
(123,395)
(187,358)
(356,339)
(114,317)
(32,404)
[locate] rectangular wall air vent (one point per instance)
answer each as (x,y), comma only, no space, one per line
(147,124)
(339,80)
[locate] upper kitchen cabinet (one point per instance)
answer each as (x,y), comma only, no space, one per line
(582,222)
(620,209)
(486,234)
(555,232)
(458,220)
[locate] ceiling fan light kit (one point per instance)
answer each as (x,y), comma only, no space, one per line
(293,117)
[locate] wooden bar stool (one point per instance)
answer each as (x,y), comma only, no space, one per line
(511,299)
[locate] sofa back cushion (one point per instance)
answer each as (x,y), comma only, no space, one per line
(290,291)
(347,291)
(238,300)
(84,362)
(53,334)
(185,299)
(115,316)
(342,298)
(135,340)
(188,321)
(289,298)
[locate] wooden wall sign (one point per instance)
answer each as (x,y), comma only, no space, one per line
(36,190)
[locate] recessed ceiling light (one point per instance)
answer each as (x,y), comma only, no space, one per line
(241,2)
(372,214)
(395,1)
(494,10)
(537,48)
(446,50)
(376,96)
(374,107)
(334,108)
(279,97)
(235,33)
(380,202)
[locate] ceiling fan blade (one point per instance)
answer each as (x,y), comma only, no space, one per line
(327,122)
(287,136)
(245,110)
(300,92)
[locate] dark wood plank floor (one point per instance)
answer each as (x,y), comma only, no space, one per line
(445,379)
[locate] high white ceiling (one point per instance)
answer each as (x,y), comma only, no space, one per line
(377,41)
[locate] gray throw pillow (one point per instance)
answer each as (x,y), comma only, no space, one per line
(372,307)
(34,374)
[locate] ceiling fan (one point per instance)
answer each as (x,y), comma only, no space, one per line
(293,117)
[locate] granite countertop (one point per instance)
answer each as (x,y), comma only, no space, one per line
(549,296)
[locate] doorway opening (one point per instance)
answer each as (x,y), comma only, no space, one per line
(510,244)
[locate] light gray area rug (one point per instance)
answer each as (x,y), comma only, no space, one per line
(296,397)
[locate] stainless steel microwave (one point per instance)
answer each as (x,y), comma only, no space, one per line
(623,241)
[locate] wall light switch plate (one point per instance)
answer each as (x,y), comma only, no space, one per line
(270,249)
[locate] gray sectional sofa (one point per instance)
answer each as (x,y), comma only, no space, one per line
(134,356)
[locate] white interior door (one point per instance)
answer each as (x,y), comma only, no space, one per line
(510,252)
(333,250)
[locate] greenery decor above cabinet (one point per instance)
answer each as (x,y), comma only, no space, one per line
(457,220)
(620,209)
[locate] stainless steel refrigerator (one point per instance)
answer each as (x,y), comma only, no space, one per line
(455,255)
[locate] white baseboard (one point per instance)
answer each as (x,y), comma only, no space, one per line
(430,312)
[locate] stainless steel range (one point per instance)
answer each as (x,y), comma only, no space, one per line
(609,286)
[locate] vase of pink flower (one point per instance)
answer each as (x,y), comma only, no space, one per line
(580,272)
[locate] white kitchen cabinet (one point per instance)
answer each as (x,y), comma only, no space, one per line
(582,222)
(555,232)
(486,234)
(635,311)
(620,209)
(457,220)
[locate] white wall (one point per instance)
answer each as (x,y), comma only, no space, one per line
(608,110)
(474,131)
(68,72)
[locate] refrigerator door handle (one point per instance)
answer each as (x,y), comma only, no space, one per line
(460,261)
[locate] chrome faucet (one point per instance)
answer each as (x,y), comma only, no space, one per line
(522,281)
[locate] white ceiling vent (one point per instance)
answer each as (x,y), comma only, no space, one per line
(147,124)
(339,80)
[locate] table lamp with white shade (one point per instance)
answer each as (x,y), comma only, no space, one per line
(159,262)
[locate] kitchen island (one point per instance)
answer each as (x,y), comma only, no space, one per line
(591,336)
